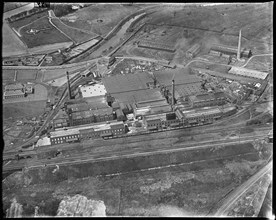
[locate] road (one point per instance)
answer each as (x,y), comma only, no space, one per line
(258,55)
(238,192)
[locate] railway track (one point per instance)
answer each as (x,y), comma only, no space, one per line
(141,150)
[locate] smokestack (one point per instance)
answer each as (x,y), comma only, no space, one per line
(68,85)
(239,47)
(173,92)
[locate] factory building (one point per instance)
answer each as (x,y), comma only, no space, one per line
(204,115)
(160,121)
(60,123)
(91,116)
(255,74)
(89,110)
(86,132)
(193,51)
(232,51)
(156,46)
(207,99)
(151,110)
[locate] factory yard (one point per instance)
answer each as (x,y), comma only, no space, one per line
(137,110)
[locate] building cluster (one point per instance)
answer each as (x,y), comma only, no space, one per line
(228,52)
(91,131)
(156,46)
(207,99)
(17,90)
(180,117)
(23,61)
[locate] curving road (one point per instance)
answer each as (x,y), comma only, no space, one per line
(257,55)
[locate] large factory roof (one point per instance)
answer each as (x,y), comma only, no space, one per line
(248,72)
(92,90)
(226,75)
(207,96)
(181,76)
(201,111)
(156,102)
(152,110)
(90,113)
(137,96)
(91,103)
(161,117)
(124,83)
(80,129)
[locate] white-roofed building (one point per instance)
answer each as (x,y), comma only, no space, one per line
(248,73)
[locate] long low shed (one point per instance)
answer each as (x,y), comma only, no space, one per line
(248,72)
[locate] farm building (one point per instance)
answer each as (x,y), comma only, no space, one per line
(246,53)
(16,86)
(208,99)
(17,90)
(14,94)
(87,132)
(193,51)
(156,46)
(248,73)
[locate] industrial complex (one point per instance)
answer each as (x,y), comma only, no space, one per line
(137,109)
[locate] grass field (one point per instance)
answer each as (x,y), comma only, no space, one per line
(11,44)
(100,18)
(27,20)
(8,75)
(47,34)
(23,109)
(78,36)
(26,74)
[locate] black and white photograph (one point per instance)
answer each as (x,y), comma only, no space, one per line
(137,109)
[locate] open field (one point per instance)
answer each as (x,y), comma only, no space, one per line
(11,44)
(28,20)
(205,25)
(22,109)
(188,188)
(77,35)
(263,63)
(8,75)
(100,18)
(8,6)
(47,34)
